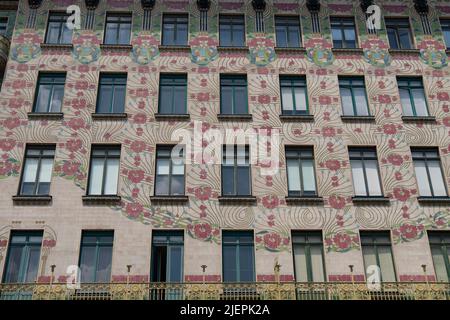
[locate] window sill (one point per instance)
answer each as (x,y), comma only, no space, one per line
(297,117)
(234,117)
(370,200)
(225,48)
(434,200)
(109,116)
(101,200)
(290,200)
(419,119)
(290,49)
(172,117)
(32,200)
(358,118)
(169,199)
(174,48)
(348,50)
(45,115)
(404,51)
(237,199)
(56,46)
(123,47)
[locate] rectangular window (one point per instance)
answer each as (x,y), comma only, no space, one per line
(175,30)
(96,256)
(23,257)
(366,177)
(343,31)
(232,31)
(117,29)
(412,96)
(111,93)
(294,95)
(169,173)
(288,32)
(57,31)
(238,260)
(104,171)
(300,171)
(429,175)
(49,92)
(3,25)
(377,250)
(167,256)
(37,170)
(309,261)
(445,25)
(399,33)
(440,251)
(236,176)
(233,94)
(353,96)
(173,94)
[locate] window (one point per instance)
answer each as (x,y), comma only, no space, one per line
(376,249)
(169,173)
(96,256)
(288,32)
(22,260)
(353,96)
(445,24)
(57,31)
(231,31)
(309,262)
(300,171)
(440,252)
(175,30)
(111,93)
(233,94)
(3,25)
(236,180)
(399,33)
(429,175)
(366,178)
(294,95)
(343,32)
(412,96)
(238,260)
(104,172)
(167,256)
(49,92)
(37,170)
(117,29)
(173,94)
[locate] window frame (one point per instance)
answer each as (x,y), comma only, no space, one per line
(105,147)
(341,28)
(40,81)
(237,245)
(233,78)
(292,86)
(244,24)
(307,245)
(170,148)
(235,171)
(167,244)
(411,97)
(41,148)
(173,76)
(444,22)
(362,158)
(425,158)
(351,87)
(114,76)
(50,15)
(177,15)
(288,17)
(300,158)
(119,14)
(444,248)
(396,27)
(5,23)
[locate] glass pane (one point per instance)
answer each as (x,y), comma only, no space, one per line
(294,37)
(58,94)
(281,37)
(386,264)
(246,264)
(229,264)
(420,102)
(124,33)
(177,185)
(66,37)
(447,37)
(179,100)
(43,98)
(87,264)
(300,99)
(240,99)
(228,180)
(175,264)
(112,176)
(422,179)
(226,98)
(13,264)
(369,257)
(347,102)
(96,177)
(243,181)
(111,33)
(162,166)
(104,264)
(301,271)
(392,35)
(373,180)
(168,34)
(182,34)
(119,99)
(45,174)
(162,185)
(349,35)
(361,102)
(405,38)
(309,183)
(53,32)
(287,99)
(293,175)
(238,36)
(439,264)
(437,179)
(105,99)
(358,178)
(30,170)
(317,264)
(406,102)
(225,36)
(32,264)
(178,169)
(165,102)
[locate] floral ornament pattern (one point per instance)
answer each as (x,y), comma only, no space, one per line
(342,241)
(439,220)
(376,52)
(86,48)
(203,49)
(408,231)
(318,51)
(204,231)
(27,48)
(145,49)
(71,170)
(9,167)
(432,53)
(261,49)
(273,241)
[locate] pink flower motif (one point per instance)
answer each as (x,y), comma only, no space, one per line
(270,201)
(73,145)
(395,159)
(384,98)
(264,99)
(76,123)
(7,144)
(202,231)
(325,100)
(401,194)
(139,118)
(11,123)
(328,132)
(389,129)
(70,168)
(136,176)
(138,146)
(203,193)
(443,96)
(16,103)
(272,240)
(343,241)
(333,165)
(134,209)
(337,202)
(409,231)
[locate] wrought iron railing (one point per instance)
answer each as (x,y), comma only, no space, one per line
(227,291)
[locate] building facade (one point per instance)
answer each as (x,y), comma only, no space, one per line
(88,119)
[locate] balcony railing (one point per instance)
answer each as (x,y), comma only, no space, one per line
(228,291)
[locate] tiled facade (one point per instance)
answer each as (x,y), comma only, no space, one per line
(204,217)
